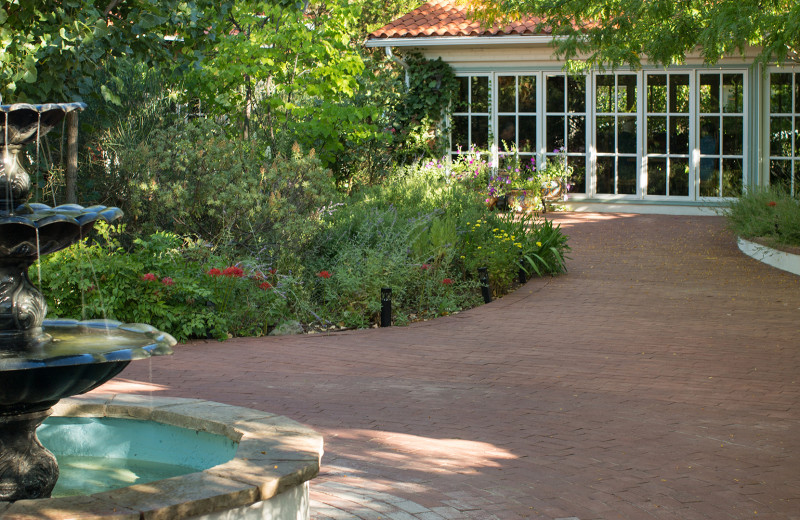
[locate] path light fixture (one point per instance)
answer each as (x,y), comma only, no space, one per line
(386,307)
(483,277)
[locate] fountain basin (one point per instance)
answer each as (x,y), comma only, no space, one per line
(267,478)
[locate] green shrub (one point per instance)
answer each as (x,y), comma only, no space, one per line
(772,214)
(193,179)
(162,281)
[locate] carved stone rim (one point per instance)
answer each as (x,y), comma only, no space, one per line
(275,454)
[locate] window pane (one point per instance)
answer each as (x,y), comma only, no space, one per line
(731,177)
(480,94)
(578,178)
(604,93)
(462,96)
(576,134)
(797,136)
(780,133)
(780,173)
(527,93)
(709,135)
(626,143)
(679,135)
(506,94)
(709,93)
(508,131)
(526,134)
(555,133)
(576,94)
(780,93)
(796,189)
(605,131)
(605,175)
(555,93)
(626,177)
(679,177)
(709,177)
(732,93)
(656,176)
(459,133)
(626,93)
(657,134)
(797,92)
(732,135)
(679,93)
(657,93)
(480,132)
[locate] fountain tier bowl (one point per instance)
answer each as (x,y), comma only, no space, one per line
(72,358)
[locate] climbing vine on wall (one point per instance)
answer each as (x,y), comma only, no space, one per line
(425,106)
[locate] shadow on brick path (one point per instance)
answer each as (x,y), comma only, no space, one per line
(658,379)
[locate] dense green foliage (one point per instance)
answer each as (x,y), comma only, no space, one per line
(772,215)
(615,33)
(423,233)
(270,168)
(57,50)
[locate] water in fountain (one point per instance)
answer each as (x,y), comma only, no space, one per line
(44,361)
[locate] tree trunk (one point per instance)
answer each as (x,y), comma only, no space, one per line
(248,107)
(71,176)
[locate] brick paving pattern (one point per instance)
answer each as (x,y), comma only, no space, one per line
(658,379)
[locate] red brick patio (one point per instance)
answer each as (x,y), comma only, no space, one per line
(658,379)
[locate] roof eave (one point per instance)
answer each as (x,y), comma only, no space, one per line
(437,41)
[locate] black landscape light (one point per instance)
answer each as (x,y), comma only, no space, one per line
(386,307)
(483,277)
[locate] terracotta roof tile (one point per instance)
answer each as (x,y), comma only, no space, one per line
(449,18)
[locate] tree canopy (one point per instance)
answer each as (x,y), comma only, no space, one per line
(614,33)
(53,50)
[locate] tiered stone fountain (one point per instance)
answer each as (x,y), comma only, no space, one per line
(43,361)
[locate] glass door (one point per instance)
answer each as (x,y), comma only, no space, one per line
(667,135)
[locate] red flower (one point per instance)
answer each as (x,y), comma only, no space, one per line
(772,203)
(424,267)
(324,274)
(266,285)
(233,271)
(272,270)
(447,281)
(149,277)
(167,281)
(214,272)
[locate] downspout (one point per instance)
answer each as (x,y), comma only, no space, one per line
(400,62)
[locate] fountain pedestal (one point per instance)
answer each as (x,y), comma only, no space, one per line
(27,469)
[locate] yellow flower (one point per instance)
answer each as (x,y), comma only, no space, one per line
(477,225)
(479,247)
(538,244)
(462,257)
(518,245)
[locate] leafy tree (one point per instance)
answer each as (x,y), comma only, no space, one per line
(613,33)
(54,50)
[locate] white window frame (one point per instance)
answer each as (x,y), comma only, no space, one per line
(794,115)
(591,114)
